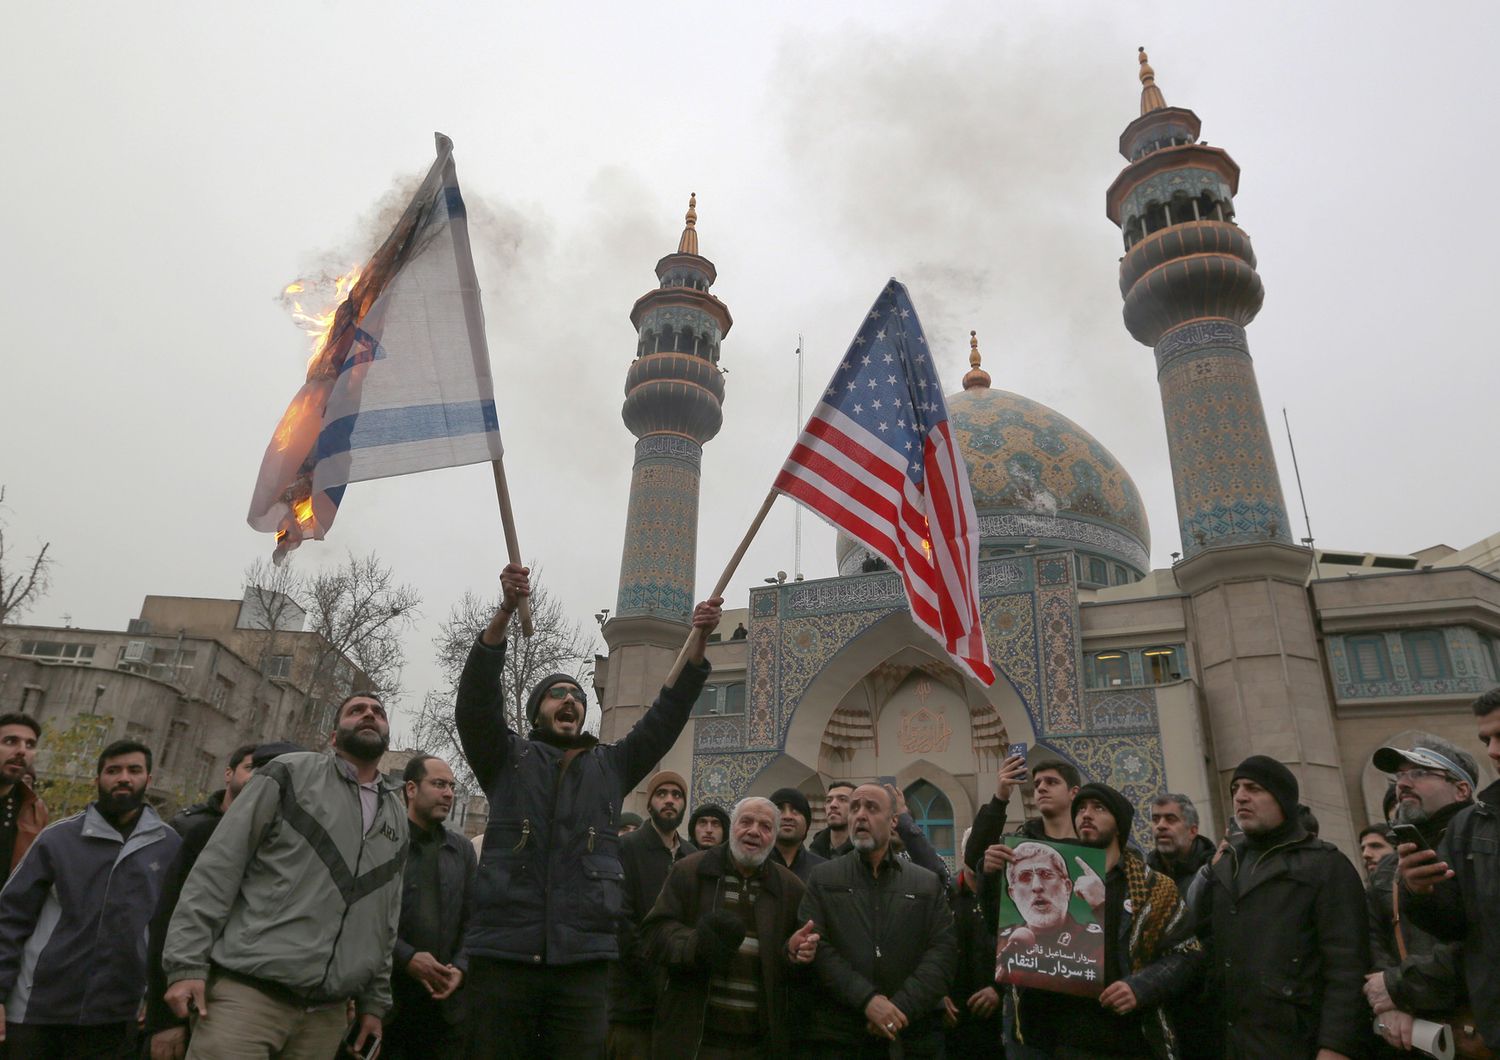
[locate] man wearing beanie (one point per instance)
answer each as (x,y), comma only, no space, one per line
(796,817)
(1283,919)
(548,897)
(708,826)
(647,855)
(1150,954)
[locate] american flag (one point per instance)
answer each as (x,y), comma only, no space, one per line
(877,460)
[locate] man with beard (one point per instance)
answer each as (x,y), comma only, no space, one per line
(166,1033)
(836,812)
(646,855)
(1434,781)
(1179,850)
(795,815)
(1149,955)
(293,907)
(708,825)
(71,987)
(23,815)
(726,929)
(886,952)
(548,897)
(1286,930)
(429,960)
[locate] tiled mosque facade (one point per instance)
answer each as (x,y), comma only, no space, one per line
(1149,680)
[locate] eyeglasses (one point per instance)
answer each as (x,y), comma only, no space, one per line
(1422,772)
(564,691)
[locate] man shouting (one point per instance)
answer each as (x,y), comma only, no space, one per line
(548,897)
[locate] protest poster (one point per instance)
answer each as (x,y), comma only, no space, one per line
(1049,935)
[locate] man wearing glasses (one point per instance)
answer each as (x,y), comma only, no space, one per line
(1434,781)
(548,896)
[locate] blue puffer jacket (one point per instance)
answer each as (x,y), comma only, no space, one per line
(73,920)
(549,888)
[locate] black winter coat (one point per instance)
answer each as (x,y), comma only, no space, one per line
(549,883)
(456,870)
(1288,949)
(669,939)
(1464,909)
(635,983)
(891,935)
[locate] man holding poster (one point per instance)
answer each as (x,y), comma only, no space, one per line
(1091,939)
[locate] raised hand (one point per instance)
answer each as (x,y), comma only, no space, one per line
(1089,887)
(802,947)
(1012,772)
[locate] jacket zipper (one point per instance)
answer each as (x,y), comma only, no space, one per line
(525,835)
(359,860)
(591,839)
(703,1020)
(108,882)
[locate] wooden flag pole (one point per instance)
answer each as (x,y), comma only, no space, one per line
(720,586)
(512,545)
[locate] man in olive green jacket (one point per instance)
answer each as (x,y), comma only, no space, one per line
(292,908)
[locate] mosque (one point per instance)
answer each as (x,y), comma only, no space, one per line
(1149,680)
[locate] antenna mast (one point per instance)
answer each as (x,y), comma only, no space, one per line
(1308,540)
(797,508)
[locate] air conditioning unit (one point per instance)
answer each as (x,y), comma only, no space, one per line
(137,651)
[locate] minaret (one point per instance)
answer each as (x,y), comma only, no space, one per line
(1190,287)
(673,396)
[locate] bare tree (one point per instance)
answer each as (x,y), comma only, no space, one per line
(358,611)
(557,645)
(22,582)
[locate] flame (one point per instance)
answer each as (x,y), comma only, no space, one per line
(318,323)
(304,511)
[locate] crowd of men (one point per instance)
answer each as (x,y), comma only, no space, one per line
(313,909)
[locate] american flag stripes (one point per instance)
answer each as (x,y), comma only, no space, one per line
(878,461)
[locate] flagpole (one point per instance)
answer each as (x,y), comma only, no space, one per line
(701,635)
(512,543)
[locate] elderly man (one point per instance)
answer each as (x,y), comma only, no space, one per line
(548,897)
(888,950)
(647,856)
(1285,926)
(726,928)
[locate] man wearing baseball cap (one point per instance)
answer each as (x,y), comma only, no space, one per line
(1434,781)
(549,892)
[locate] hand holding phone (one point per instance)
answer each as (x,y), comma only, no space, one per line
(1409,833)
(371,1048)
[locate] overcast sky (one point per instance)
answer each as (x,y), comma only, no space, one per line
(170,167)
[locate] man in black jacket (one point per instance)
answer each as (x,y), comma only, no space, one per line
(833,839)
(548,896)
(1434,781)
(1454,892)
(166,1033)
(1283,919)
(887,949)
(796,813)
(437,883)
(1179,850)
(647,855)
(1053,785)
(972,1006)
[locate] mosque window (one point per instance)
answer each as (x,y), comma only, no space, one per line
(933,813)
(1098,571)
(1369,658)
(720,700)
(1122,576)
(1492,652)
(707,704)
(1110,669)
(1163,664)
(1426,655)
(734,698)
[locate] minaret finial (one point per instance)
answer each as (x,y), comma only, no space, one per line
(1151,97)
(975,376)
(688,244)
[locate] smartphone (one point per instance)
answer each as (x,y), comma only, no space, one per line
(1018,750)
(1408,833)
(372,1043)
